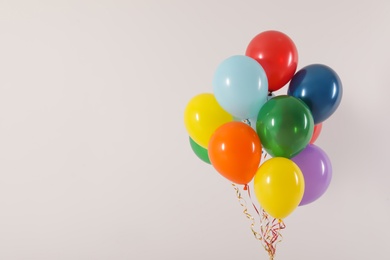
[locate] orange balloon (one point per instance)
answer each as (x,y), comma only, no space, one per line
(235,152)
(316,132)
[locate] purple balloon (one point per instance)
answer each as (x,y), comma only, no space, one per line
(317,172)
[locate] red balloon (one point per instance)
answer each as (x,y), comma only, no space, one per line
(316,132)
(235,152)
(278,56)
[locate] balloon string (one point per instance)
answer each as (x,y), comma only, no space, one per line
(270,227)
(242,202)
(270,231)
(265,154)
(250,197)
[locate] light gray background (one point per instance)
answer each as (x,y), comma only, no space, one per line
(94,157)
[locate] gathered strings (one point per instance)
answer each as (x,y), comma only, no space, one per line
(269,232)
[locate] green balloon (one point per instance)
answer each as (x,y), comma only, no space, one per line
(285,126)
(201,152)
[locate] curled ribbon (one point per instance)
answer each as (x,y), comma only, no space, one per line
(270,228)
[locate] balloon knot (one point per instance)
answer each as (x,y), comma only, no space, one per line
(246,187)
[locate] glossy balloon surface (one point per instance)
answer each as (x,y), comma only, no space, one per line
(320,88)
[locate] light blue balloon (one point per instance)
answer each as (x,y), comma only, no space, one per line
(240,86)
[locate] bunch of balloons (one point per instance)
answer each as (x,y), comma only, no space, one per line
(231,127)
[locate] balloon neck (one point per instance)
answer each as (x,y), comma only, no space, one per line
(246,121)
(245,186)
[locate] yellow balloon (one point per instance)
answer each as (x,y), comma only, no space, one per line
(279,186)
(202,116)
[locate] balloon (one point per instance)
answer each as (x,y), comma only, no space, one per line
(235,152)
(285,126)
(201,152)
(320,88)
(277,54)
(240,86)
(317,172)
(202,116)
(279,186)
(316,132)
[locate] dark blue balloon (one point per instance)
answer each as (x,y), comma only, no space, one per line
(320,88)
